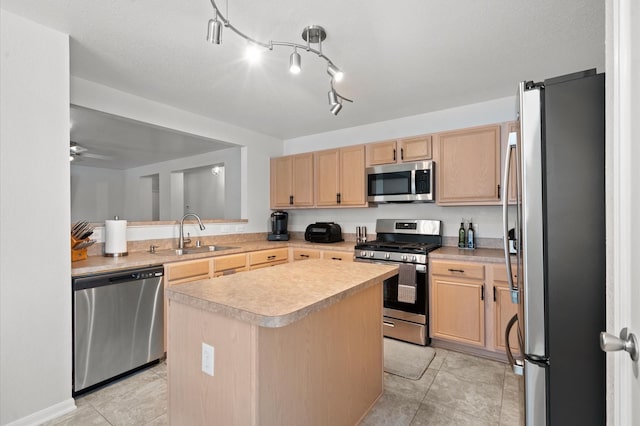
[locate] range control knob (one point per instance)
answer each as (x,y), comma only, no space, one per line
(413,258)
(404,257)
(370,254)
(363,253)
(387,255)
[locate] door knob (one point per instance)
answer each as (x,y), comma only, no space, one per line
(627,342)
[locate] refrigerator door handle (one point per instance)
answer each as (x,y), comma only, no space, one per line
(516,364)
(511,145)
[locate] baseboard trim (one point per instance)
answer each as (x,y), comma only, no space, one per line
(47,414)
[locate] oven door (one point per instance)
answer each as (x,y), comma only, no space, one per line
(404,321)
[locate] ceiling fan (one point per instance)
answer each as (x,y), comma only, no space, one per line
(78,151)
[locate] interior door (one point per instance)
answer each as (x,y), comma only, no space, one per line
(623,175)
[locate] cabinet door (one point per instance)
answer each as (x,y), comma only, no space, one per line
(415,148)
(327,177)
(458,310)
(268,256)
(381,153)
(352,178)
(302,180)
(468,166)
(281,190)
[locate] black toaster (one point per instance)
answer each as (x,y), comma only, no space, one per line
(323,232)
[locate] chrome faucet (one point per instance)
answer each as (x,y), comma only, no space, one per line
(181,239)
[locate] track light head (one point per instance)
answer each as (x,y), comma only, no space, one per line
(295,62)
(214,30)
(335,109)
(333,97)
(334,72)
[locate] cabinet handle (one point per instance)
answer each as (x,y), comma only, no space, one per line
(401,153)
(494,294)
(291,199)
(271,257)
(456,270)
(482,293)
(388,324)
(336,258)
(499,191)
(394,154)
(338,197)
(304,255)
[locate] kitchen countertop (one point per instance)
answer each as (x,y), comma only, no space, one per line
(101,264)
(468,255)
(282,294)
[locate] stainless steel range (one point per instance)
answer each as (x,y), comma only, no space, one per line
(405,243)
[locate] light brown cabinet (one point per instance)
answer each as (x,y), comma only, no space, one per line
(337,255)
(304,254)
(229,264)
(271,257)
(292,181)
(457,302)
(340,177)
(468,166)
(184,272)
(398,151)
(503,309)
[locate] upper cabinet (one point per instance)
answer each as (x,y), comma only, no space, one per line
(398,151)
(292,181)
(468,166)
(340,178)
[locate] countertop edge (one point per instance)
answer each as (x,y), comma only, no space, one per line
(276,321)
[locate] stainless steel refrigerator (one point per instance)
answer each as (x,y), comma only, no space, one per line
(559,218)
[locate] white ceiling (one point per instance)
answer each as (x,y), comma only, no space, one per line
(400,58)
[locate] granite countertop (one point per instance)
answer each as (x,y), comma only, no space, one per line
(488,255)
(101,264)
(280,295)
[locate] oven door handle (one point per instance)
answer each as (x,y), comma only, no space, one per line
(419,268)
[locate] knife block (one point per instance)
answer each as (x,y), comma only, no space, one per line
(80,254)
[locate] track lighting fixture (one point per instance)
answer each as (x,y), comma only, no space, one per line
(313,34)
(295,62)
(214,30)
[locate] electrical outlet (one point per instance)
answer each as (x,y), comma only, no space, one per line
(208,354)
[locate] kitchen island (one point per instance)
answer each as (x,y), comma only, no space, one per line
(299,343)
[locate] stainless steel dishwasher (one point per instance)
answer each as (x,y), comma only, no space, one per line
(118,321)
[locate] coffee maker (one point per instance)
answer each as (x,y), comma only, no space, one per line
(279,221)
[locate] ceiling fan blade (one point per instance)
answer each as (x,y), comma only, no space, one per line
(96,156)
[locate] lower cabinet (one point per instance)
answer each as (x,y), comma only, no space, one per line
(470,306)
(347,256)
(457,302)
(230,264)
(271,257)
(184,272)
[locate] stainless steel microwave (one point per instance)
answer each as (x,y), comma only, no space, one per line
(398,183)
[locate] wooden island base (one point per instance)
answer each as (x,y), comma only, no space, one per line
(323,369)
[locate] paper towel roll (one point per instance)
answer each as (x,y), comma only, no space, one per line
(115,239)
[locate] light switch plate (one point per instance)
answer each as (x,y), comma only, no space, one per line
(208,354)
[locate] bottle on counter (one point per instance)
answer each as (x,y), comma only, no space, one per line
(462,239)
(471,243)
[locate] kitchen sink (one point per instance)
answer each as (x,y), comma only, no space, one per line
(191,250)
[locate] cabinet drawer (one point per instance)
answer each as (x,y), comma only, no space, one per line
(458,269)
(338,255)
(500,272)
(303,254)
(264,256)
(188,269)
(267,264)
(234,261)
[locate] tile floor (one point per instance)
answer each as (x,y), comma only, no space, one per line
(456,389)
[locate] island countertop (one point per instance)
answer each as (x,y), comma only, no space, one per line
(280,295)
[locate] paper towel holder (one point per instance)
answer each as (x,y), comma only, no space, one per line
(116,253)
